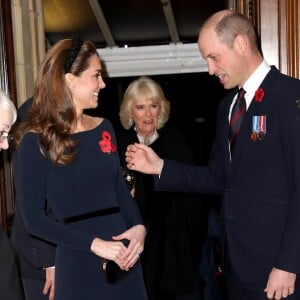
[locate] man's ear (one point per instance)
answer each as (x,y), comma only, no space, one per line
(241,43)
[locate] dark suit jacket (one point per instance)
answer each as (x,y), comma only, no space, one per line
(260,187)
(34,253)
(10,286)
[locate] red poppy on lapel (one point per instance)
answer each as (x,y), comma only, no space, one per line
(106,144)
(259,94)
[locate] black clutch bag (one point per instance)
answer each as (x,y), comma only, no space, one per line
(111,271)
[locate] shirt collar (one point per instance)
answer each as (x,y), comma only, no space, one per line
(149,140)
(255,80)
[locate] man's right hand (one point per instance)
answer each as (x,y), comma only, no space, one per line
(142,158)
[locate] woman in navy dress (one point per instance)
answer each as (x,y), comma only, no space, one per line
(70,160)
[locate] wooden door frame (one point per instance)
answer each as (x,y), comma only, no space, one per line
(278,25)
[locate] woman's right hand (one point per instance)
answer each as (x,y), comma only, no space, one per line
(111,250)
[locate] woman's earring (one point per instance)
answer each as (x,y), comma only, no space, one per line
(131,122)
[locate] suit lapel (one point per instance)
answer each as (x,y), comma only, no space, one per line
(255,109)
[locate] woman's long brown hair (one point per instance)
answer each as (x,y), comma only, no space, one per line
(52,113)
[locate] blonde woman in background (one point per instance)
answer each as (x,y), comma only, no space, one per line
(176,223)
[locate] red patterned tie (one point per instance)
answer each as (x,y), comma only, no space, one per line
(237,113)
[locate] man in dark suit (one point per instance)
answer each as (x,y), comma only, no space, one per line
(260,179)
(10,284)
(36,256)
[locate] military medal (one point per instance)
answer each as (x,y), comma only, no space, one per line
(255,128)
(253,136)
(259,128)
(262,127)
(261,135)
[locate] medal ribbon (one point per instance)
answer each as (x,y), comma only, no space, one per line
(262,124)
(255,125)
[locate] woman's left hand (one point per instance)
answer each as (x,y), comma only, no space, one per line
(136,235)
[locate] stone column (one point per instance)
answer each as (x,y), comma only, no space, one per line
(29,44)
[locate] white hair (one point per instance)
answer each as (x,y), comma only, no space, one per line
(8,105)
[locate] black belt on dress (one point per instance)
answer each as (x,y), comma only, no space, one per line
(93,214)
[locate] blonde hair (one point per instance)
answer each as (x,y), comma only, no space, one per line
(143,88)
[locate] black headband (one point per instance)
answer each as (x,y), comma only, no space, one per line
(74,50)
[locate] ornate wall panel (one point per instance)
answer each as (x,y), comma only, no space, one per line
(278,24)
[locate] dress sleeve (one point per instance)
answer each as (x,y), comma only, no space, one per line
(127,204)
(31,182)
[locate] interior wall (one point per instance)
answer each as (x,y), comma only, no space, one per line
(278,25)
(29,43)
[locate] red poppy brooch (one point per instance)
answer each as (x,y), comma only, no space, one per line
(106,145)
(259,95)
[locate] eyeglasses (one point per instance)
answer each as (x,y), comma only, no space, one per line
(4,135)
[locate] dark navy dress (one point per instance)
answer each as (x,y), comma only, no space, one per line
(79,193)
